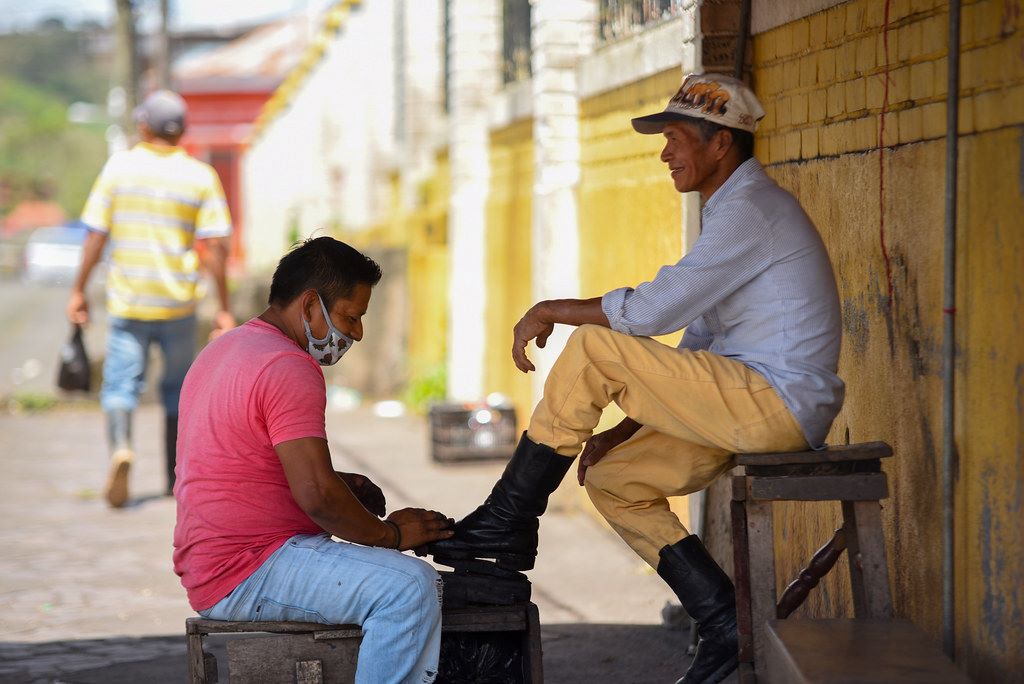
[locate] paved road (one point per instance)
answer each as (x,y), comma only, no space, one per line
(34,328)
(87,594)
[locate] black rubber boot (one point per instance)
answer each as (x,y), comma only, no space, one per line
(707,594)
(170,449)
(505,526)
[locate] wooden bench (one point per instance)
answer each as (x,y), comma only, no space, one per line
(850,474)
(853,652)
(478,643)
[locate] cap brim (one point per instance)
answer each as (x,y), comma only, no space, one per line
(653,124)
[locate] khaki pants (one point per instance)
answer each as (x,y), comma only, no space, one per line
(697,409)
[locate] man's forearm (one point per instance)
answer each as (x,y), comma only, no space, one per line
(573,311)
(92,250)
(215,264)
(627,428)
(341,514)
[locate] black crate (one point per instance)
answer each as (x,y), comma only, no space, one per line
(461,432)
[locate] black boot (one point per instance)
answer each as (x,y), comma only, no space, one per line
(170,449)
(707,594)
(505,526)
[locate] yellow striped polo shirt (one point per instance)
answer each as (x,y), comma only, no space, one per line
(155,202)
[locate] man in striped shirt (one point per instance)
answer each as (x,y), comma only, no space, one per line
(755,371)
(154,204)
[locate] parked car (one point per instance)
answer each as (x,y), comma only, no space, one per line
(52,254)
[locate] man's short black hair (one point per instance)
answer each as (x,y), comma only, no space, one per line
(326,265)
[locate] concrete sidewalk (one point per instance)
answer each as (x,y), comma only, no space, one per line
(87,594)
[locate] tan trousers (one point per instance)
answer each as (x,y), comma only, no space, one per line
(697,409)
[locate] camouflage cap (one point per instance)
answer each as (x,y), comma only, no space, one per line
(721,99)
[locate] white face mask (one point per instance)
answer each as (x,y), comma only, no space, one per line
(328,350)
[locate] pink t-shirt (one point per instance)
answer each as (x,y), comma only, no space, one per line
(249,390)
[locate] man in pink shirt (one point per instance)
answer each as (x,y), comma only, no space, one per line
(258,499)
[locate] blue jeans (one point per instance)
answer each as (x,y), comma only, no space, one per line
(395,598)
(124,369)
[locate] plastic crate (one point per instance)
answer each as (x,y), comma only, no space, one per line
(461,432)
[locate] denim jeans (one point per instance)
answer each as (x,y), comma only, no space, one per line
(395,598)
(124,369)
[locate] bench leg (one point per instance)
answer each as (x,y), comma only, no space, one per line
(869,570)
(196,661)
(741,572)
(532,646)
(761,540)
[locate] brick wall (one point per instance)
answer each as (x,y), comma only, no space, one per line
(822,78)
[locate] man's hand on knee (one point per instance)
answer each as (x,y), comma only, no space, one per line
(599,445)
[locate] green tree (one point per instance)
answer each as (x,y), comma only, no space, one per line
(41,73)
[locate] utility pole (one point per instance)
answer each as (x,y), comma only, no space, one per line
(163,48)
(126,63)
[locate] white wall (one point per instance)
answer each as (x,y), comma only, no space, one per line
(324,160)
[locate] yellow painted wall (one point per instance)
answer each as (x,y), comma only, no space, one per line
(428,273)
(630,215)
(422,231)
(508,242)
(880,210)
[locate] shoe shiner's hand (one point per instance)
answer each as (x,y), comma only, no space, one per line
(367,492)
(599,445)
(420,527)
(531,326)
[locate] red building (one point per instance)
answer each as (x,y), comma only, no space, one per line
(225,89)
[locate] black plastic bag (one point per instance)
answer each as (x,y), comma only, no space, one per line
(75,374)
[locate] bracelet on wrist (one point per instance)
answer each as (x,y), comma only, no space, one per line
(398,534)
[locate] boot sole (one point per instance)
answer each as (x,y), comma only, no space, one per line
(116,492)
(723,671)
(505,561)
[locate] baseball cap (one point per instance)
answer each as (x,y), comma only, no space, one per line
(721,99)
(164,112)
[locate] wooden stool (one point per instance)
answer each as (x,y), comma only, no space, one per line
(501,642)
(851,474)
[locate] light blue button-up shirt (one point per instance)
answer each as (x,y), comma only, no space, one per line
(757,287)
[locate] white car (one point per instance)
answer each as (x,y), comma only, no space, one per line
(52,255)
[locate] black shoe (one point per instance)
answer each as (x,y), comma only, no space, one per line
(707,594)
(505,526)
(170,449)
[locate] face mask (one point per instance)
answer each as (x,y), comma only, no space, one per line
(329,350)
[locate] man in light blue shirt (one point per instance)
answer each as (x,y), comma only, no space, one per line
(755,371)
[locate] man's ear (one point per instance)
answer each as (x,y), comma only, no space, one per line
(723,143)
(309,304)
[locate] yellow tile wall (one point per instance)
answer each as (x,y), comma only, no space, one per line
(837,62)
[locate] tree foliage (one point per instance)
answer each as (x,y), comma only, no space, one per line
(41,153)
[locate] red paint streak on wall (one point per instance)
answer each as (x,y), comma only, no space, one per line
(881,157)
